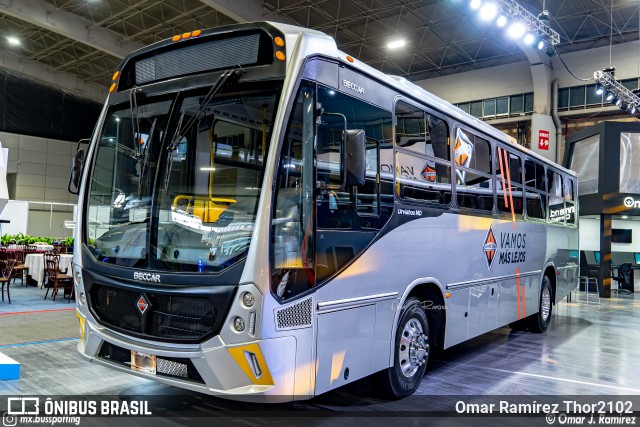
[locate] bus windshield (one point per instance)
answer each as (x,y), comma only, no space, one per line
(176,183)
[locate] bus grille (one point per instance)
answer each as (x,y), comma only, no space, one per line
(294,316)
(169,316)
(165,366)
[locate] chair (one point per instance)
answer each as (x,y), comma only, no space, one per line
(624,279)
(7,271)
(53,274)
(20,270)
(588,275)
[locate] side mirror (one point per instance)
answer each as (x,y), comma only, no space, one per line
(76,172)
(355,158)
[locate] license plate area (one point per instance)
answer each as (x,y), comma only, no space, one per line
(143,362)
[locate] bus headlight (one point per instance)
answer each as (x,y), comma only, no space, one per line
(238,324)
(248,299)
(82,299)
(77,277)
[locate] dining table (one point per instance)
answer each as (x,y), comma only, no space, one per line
(35,263)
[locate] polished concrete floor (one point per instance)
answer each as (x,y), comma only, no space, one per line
(590,349)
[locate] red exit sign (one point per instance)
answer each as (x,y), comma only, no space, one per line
(543,139)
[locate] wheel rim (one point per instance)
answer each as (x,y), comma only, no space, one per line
(545,305)
(413,349)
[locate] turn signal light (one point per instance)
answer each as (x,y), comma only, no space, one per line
(280,56)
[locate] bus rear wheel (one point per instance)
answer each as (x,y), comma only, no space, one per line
(411,352)
(540,321)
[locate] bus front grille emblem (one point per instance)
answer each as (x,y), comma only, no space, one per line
(142,304)
(490,247)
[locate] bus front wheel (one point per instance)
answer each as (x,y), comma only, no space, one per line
(411,352)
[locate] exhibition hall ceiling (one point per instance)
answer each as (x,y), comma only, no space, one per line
(442,36)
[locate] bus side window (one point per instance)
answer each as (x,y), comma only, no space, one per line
(509,182)
(474,185)
(556,199)
(423,170)
(535,184)
(569,200)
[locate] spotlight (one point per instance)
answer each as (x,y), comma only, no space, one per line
(516,30)
(632,109)
(610,96)
(488,11)
(599,89)
(550,50)
(475,4)
(542,44)
(619,103)
(502,21)
(529,38)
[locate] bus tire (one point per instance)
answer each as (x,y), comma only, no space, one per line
(540,321)
(411,352)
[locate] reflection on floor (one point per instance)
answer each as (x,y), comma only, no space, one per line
(589,349)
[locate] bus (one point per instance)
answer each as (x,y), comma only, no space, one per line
(262,216)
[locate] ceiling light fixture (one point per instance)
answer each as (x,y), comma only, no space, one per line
(395,44)
(536,27)
(516,30)
(13,41)
(488,11)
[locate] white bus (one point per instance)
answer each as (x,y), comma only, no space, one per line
(263,216)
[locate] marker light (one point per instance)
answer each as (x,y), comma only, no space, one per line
(115,75)
(278,41)
(280,56)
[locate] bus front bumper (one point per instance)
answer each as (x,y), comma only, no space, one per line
(258,371)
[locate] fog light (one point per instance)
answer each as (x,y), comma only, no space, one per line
(82,299)
(77,277)
(248,299)
(238,324)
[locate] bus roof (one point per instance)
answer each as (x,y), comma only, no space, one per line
(415,91)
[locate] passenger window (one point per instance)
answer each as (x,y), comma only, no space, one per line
(569,201)
(419,131)
(535,183)
(556,199)
(471,151)
(474,182)
(509,182)
(423,179)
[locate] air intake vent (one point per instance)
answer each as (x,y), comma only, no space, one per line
(294,316)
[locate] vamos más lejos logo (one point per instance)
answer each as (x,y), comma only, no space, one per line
(508,247)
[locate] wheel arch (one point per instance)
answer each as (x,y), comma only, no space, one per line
(550,272)
(426,289)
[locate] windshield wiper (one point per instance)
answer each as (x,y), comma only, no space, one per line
(135,120)
(145,158)
(234,72)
